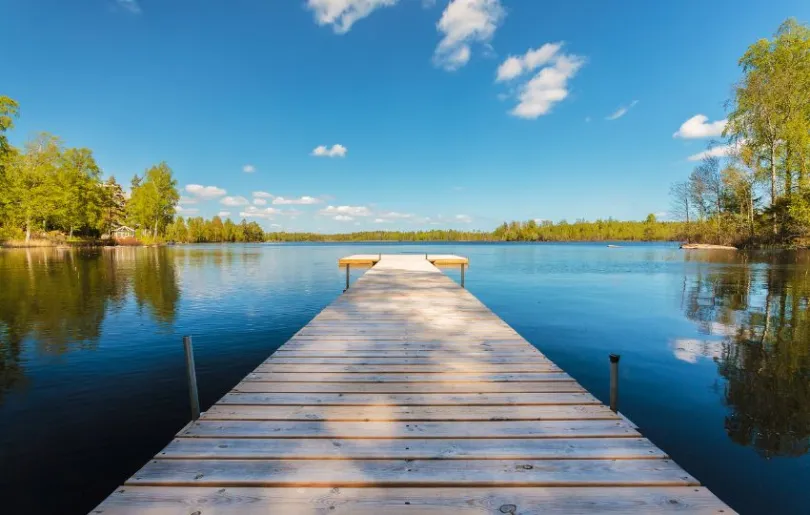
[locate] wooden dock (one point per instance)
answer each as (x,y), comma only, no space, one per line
(408,395)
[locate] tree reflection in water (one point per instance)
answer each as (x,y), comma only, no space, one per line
(56,300)
(759,304)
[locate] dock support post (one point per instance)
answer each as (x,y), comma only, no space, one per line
(462,275)
(191,373)
(614,382)
(348,269)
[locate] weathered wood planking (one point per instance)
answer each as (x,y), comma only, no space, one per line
(407,395)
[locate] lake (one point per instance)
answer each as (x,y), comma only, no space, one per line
(715,350)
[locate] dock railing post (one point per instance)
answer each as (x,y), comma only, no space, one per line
(191,373)
(614,382)
(348,269)
(462,275)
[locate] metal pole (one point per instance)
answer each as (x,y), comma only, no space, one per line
(191,373)
(614,382)
(348,268)
(462,275)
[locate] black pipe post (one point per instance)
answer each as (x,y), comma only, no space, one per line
(462,275)
(614,382)
(191,373)
(348,268)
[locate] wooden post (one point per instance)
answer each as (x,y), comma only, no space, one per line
(614,382)
(191,373)
(462,275)
(348,268)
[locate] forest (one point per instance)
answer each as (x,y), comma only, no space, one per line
(755,189)
(751,190)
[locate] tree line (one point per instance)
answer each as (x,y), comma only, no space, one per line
(757,190)
(48,190)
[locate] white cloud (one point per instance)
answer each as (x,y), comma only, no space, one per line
(621,111)
(515,66)
(718,151)
(394,214)
(381,221)
(464,22)
(343,218)
(255,212)
(464,218)
(306,200)
(345,211)
(129,5)
(262,194)
(341,14)
(259,202)
(180,210)
(248,168)
(549,86)
(337,150)
(205,192)
(699,127)
(224,213)
(275,226)
(235,201)
(187,200)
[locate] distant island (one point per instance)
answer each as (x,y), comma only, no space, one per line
(751,191)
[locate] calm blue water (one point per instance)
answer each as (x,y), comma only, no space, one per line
(715,350)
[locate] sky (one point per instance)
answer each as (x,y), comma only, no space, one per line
(348,115)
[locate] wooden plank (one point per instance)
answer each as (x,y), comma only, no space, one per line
(140,500)
(421,413)
(404,473)
(526,449)
(425,399)
(471,368)
(439,353)
(389,429)
(414,388)
(458,362)
(408,378)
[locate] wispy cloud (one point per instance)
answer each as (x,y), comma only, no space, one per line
(262,194)
(621,111)
(248,168)
(235,201)
(345,211)
(255,212)
(259,201)
(463,23)
(337,150)
(718,151)
(465,219)
(342,14)
(302,201)
(699,126)
(205,192)
(549,86)
(343,218)
(516,65)
(224,213)
(131,6)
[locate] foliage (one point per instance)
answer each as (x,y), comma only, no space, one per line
(45,187)
(769,135)
(199,230)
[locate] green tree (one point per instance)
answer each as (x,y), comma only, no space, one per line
(32,192)
(153,199)
(81,197)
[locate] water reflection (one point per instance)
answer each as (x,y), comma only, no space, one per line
(56,300)
(758,305)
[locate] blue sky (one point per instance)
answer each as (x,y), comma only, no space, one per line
(427,113)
